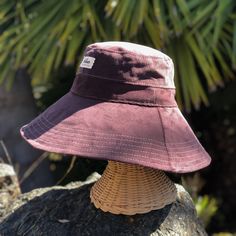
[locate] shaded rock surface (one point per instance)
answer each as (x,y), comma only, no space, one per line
(67,211)
(17,108)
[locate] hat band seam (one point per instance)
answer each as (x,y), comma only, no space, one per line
(112,91)
(126,82)
(124,101)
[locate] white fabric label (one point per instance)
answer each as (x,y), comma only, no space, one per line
(87,62)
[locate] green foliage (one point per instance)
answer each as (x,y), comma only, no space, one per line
(199,35)
(206,208)
(224,234)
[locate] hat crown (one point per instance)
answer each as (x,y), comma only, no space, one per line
(128,63)
(121,107)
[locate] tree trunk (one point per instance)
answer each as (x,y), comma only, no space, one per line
(68,211)
(17,107)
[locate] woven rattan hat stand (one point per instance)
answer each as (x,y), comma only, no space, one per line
(132,189)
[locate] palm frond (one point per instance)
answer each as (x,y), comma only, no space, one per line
(199,35)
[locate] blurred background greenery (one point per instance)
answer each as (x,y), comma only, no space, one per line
(45,40)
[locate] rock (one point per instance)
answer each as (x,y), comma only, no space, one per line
(9,187)
(67,211)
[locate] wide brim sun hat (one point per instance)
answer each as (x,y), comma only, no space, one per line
(121,107)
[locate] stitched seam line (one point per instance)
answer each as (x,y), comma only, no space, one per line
(164,136)
(124,101)
(146,140)
(88,147)
(44,125)
(124,82)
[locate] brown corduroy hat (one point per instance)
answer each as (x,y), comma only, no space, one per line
(121,107)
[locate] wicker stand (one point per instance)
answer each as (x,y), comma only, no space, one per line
(131,189)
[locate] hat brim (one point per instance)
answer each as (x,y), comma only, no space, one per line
(157,137)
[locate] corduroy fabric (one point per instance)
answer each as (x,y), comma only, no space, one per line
(122,108)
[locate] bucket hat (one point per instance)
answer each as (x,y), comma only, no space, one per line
(121,107)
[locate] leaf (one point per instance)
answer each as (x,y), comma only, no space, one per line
(161,16)
(221,15)
(152,30)
(184,8)
(174,17)
(200,35)
(234,46)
